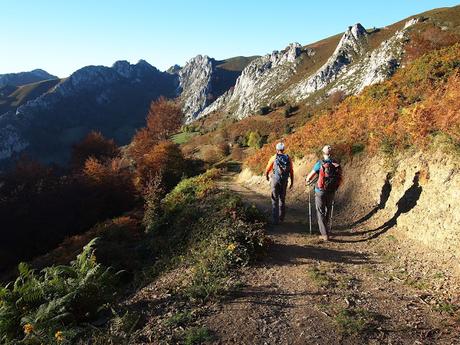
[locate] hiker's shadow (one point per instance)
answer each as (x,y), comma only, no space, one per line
(407,202)
(384,196)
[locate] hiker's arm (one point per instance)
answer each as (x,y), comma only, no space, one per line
(311,175)
(269,167)
(291,172)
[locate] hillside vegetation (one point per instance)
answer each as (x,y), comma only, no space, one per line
(414,108)
(206,231)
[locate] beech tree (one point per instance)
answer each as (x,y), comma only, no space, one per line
(163,119)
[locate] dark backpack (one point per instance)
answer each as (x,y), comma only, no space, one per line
(282,167)
(330,174)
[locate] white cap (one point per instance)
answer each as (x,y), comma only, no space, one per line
(327,149)
(280,147)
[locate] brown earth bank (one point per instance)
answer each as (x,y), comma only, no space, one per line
(374,283)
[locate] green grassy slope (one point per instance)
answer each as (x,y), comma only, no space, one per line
(13,97)
(237,63)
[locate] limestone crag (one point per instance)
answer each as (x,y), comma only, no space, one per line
(195,85)
(380,65)
(351,47)
(258,82)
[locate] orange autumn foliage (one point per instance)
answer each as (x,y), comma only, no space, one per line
(164,159)
(93,145)
(164,119)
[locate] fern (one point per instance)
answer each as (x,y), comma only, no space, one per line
(56,297)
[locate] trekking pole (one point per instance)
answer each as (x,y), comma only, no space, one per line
(309,204)
(332,213)
(309,207)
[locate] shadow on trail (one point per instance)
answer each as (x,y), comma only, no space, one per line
(285,254)
(267,295)
(407,202)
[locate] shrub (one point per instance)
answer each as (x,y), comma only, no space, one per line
(165,159)
(427,39)
(153,194)
(264,110)
(212,228)
(163,119)
(287,129)
(212,153)
(94,145)
(48,307)
(42,208)
(110,184)
(289,110)
(254,139)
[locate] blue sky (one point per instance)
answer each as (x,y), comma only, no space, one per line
(62,36)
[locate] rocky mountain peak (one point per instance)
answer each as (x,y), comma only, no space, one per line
(195,84)
(351,46)
(175,69)
(357,31)
(353,40)
(127,70)
(290,53)
(40,73)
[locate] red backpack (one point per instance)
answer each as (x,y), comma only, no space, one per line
(330,174)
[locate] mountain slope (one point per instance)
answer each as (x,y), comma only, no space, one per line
(45,118)
(314,72)
(111,100)
(23,78)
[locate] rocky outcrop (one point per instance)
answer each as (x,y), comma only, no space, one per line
(201,81)
(259,81)
(351,47)
(377,66)
(22,78)
(195,85)
(352,67)
(10,142)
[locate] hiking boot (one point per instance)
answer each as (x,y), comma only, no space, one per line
(324,237)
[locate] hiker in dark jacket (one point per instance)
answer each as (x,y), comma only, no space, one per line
(329,175)
(281,165)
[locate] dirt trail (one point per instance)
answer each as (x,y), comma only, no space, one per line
(306,291)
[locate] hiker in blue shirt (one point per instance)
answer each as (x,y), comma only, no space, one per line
(282,168)
(329,175)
